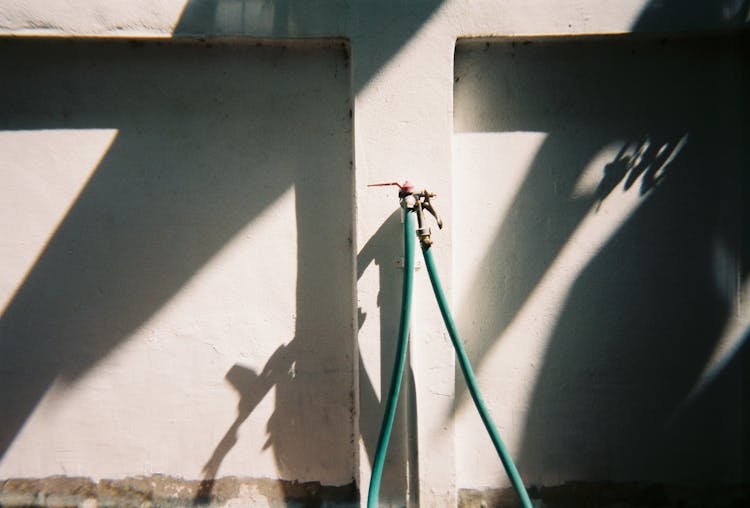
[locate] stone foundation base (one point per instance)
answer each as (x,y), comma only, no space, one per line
(610,495)
(164,491)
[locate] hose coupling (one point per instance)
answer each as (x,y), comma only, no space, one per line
(423,201)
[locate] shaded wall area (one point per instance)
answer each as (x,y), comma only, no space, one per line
(190,314)
(599,260)
(378,33)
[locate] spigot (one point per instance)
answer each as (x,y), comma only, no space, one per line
(427,205)
(417,201)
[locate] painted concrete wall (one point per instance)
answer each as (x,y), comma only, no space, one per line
(599,279)
(404,124)
(176,296)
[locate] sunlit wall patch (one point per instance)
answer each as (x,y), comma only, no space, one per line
(43,172)
(622,163)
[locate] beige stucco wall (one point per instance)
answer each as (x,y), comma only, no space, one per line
(221,194)
(599,283)
(163,231)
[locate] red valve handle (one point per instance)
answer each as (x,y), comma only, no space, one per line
(407,186)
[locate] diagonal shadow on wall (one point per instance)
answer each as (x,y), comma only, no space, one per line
(192,164)
(644,315)
(186,172)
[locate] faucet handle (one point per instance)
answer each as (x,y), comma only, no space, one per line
(405,188)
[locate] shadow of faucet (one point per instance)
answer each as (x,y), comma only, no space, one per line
(252,388)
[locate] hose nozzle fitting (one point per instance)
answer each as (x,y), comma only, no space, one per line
(423,202)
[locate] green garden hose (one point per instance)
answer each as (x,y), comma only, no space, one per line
(471,382)
(398,366)
(422,202)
